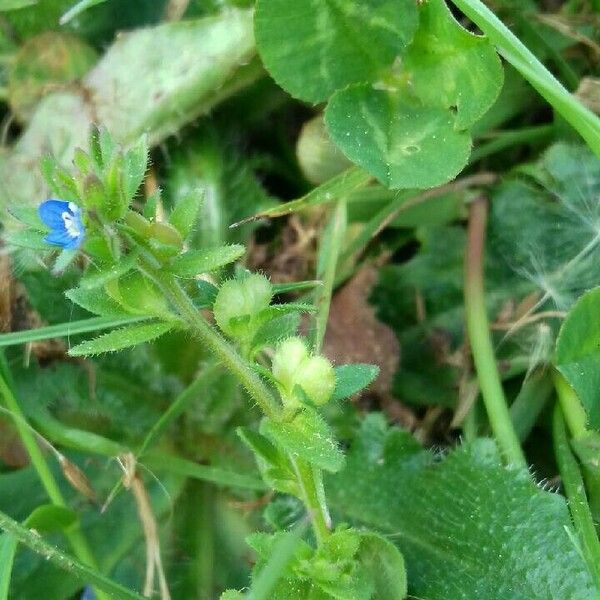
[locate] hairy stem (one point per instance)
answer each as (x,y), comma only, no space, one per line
(478,330)
(219,346)
(309,479)
(81,571)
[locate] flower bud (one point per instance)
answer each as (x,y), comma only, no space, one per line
(238,304)
(293,366)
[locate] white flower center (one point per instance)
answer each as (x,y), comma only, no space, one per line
(70,225)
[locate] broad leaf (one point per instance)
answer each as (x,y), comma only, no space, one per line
(448,66)
(308,437)
(183,217)
(196,262)
(336,38)
(467,526)
(350,379)
(401,142)
(578,353)
(121,338)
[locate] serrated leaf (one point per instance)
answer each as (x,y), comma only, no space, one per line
(96,301)
(467,526)
(121,338)
(335,37)
(196,262)
(398,141)
(308,437)
(350,379)
(578,353)
(448,66)
(134,167)
(49,517)
(183,217)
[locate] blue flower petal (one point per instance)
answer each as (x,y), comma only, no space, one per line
(64,220)
(51,212)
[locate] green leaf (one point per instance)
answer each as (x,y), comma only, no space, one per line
(207,293)
(350,379)
(307,436)
(385,565)
(77,9)
(196,262)
(336,38)
(187,468)
(59,180)
(395,139)
(65,329)
(232,595)
(8,549)
(49,517)
(100,277)
(27,238)
(6,5)
(134,168)
(183,217)
(121,338)
(96,301)
(467,526)
(276,330)
(448,66)
(578,353)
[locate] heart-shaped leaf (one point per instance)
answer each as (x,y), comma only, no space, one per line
(448,66)
(336,38)
(401,142)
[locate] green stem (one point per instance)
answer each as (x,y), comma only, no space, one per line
(575,492)
(75,537)
(81,571)
(219,346)
(529,403)
(313,496)
(328,255)
(508,138)
(480,339)
(310,480)
(519,56)
(573,411)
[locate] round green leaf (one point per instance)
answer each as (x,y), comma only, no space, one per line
(448,66)
(402,143)
(49,517)
(314,47)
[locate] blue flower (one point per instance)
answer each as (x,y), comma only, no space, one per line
(64,220)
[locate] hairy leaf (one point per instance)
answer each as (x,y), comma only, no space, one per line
(121,338)
(196,262)
(467,526)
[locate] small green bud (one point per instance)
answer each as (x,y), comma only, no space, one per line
(93,193)
(140,225)
(317,378)
(288,358)
(166,234)
(238,304)
(293,366)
